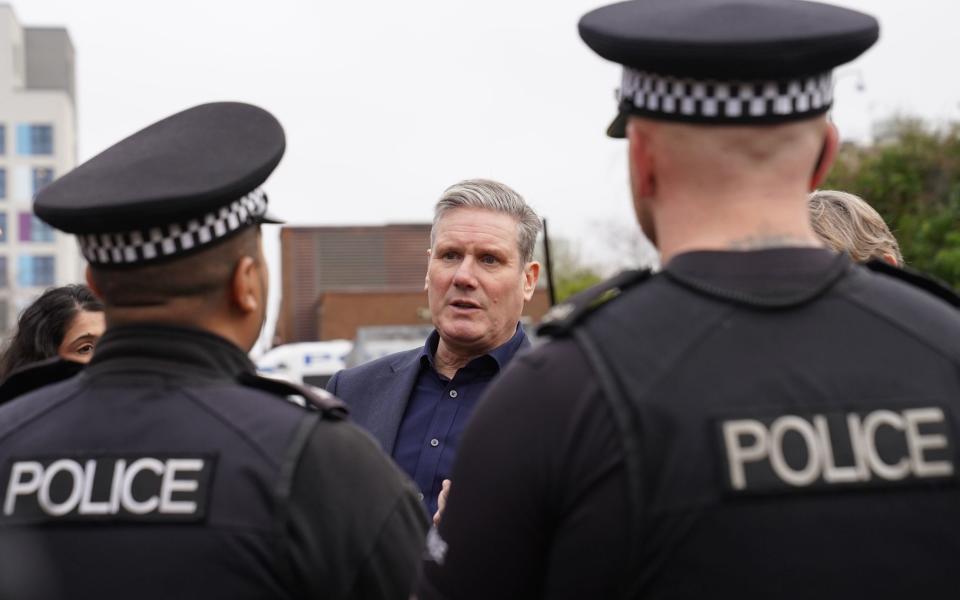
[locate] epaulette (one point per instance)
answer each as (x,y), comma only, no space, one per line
(37,375)
(560,319)
(317,399)
(915,278)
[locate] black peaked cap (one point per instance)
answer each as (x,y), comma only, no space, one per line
(726,61)
(187,165)
(728,39)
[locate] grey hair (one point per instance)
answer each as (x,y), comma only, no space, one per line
(846,223)
(490,195)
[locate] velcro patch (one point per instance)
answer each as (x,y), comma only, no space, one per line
(836,450)
(107,487)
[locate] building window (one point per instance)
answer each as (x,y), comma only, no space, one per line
(34,140)
(3,184)
(3,271)
(20,183)
(3,227)
(3,139)
(35,271)
(33,229)
(41,177)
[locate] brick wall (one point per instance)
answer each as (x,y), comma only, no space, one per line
(316,260)
(335,279)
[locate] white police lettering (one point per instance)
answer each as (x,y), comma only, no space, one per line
(126,497)
(67,487)
(832,473)
(826,450)
(809,473)
(918,443)
(171,484)
(87,505)
(76,489)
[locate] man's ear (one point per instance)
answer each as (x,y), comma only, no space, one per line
(641,160)
(426,278)
(91,282)
(245,285)
(828,153)
(531,274)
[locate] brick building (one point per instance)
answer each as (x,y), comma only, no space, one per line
(336,279)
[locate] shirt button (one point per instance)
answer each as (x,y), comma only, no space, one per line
(420,495)
(453,393)
(434,442)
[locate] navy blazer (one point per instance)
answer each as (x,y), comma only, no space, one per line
(377,393)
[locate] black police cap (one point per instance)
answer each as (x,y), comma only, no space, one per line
(726,61)
(182,184)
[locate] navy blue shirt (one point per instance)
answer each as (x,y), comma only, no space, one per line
(438,412)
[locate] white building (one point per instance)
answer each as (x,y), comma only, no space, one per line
(37,144)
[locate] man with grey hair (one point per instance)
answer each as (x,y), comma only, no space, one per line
(480,273)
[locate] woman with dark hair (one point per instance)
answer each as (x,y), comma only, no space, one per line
(64,321)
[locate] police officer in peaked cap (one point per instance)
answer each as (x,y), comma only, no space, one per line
(760,419)
(168,468)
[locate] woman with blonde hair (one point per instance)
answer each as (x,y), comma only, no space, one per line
(846,223)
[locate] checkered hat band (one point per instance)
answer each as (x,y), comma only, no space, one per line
(726,101)
(156,243)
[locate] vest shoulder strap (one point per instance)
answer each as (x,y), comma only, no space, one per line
(562,318)
(320,400)
(923,281)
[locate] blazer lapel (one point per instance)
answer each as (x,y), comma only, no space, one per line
(390,395)
(393,389)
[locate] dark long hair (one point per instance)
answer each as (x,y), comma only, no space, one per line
(42,325)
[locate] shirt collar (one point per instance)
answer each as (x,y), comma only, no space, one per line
(501,354)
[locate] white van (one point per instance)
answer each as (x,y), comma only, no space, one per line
(310,363)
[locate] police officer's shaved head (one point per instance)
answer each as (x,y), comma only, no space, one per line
(712,97)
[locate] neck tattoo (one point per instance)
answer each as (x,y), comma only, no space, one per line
(770,240)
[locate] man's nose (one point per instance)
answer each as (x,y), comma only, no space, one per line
(464,276)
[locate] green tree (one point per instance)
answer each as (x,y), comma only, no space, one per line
(911,175)
(570,273)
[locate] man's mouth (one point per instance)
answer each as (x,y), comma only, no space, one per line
(464,304)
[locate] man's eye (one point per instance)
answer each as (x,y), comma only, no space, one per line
(85,349)
(489,259)
(449,255)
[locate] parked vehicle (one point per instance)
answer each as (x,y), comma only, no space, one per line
(310,363)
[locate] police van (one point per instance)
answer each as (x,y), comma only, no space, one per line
(310,363)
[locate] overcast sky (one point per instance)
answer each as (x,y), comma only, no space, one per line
(386,103)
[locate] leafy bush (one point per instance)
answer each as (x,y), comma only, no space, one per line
(911,175)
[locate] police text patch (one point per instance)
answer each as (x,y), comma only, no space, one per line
(830,450)
(107,487)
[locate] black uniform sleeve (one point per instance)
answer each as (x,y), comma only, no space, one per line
(354,526)
(539,492)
